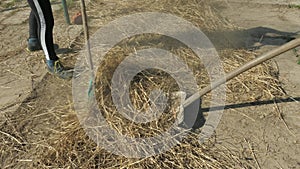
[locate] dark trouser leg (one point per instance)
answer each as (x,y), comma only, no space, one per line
(43,11)
(33,26)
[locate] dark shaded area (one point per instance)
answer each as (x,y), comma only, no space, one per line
(199,120)
(66,50)
(252,39)
(250,104)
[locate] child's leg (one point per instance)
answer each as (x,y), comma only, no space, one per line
(33,26)
(42,9)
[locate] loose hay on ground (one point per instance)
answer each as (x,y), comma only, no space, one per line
(73,149)
(76,149)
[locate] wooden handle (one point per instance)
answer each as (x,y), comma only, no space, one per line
(86,36)
(247,66)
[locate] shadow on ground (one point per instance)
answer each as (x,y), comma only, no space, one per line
(252,39)
(250,104)
(200,120)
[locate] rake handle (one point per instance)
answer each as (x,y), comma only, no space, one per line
(86,36)
(271,54)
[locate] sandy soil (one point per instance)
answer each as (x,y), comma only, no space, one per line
(267,132)
(263,134)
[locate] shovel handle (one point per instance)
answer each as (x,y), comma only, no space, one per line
(271,54)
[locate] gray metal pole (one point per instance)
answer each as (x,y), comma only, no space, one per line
(66,13)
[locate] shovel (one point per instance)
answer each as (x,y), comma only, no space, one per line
(193,101)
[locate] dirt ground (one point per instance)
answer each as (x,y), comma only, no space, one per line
(263,134)
(273,139)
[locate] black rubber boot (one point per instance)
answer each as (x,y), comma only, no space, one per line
(34,45)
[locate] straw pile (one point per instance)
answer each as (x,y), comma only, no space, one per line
(74,149)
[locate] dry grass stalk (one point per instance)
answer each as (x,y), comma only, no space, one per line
(73,149)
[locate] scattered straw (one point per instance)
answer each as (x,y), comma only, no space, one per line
(67,146)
